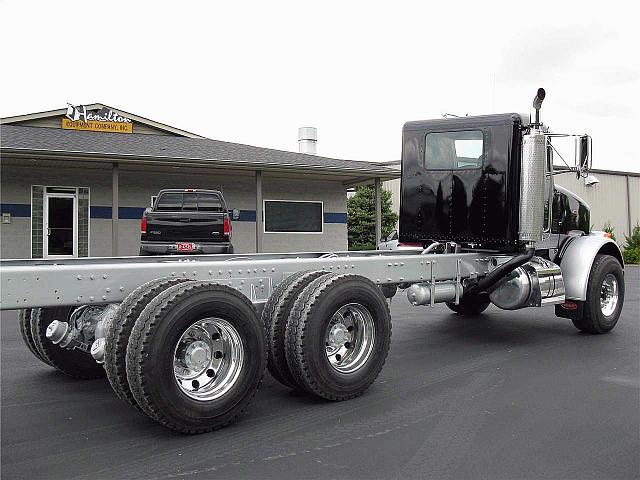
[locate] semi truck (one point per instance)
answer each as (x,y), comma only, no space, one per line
(186,340)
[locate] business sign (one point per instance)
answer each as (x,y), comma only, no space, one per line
(104,120)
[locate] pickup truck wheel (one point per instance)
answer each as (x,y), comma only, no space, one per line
(24,320)
(605,296)
(74,363)
(275,315)
(196,356)
(119,331)
(469,305)
(338,336)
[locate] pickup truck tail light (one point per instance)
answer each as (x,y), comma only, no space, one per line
(226,227)
(143,225)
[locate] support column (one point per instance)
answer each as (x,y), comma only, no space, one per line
(378,188)
(115,205)
(259,227)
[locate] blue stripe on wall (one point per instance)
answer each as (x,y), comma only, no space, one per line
(130,213)
(135,213)
(334,217)
(16,209)
(100,212)
(247,216)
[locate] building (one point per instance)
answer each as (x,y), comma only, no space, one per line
(65,172)
(614,197)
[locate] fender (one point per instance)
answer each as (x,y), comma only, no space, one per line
(576,258)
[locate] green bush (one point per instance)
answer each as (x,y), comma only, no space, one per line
(631,255)
(631,252)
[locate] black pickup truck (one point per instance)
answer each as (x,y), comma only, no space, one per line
(185,221)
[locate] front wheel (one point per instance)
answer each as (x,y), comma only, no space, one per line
(605,296)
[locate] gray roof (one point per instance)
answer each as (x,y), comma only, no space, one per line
(70,144)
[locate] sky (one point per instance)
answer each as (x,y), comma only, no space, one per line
(253,72)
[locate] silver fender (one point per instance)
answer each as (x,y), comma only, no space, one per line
(577,256)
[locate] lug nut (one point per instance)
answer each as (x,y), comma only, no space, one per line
(217,355)
(347,344)
(211,373)
(195,384)
(350,328)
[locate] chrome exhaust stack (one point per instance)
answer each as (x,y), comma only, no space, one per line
(532,178)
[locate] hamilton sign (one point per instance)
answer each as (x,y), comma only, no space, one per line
(103,120)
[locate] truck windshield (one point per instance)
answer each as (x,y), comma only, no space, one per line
(189,202)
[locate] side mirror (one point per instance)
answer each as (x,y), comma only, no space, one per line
(235,214)
(583,153)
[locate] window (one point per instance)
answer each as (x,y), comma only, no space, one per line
(293,216)
(169,202)
(189,202)
(454,150)
(209,202)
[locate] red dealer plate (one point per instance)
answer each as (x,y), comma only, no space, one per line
(185,247)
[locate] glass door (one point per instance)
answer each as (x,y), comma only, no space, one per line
(60,225)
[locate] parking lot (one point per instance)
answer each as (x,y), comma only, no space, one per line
(508,395)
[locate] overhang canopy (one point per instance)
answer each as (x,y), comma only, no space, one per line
(50,143)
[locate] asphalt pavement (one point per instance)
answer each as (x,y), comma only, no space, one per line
(510,395)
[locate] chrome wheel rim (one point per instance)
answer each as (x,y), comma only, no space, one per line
(207,359)
(609,295)
(349,338)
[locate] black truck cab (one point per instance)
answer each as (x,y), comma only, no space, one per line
(461,183)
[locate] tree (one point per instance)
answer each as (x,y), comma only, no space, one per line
(361,211)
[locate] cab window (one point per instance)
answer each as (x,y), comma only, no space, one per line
(454,150)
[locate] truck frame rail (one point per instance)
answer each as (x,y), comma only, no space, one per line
(80,281)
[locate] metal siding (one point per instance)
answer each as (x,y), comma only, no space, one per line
(634,197)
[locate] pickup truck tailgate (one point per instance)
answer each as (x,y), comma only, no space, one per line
(185,227)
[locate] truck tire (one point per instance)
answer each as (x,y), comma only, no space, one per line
(196,356)
(605,296)
(119,331)
(74,363)
(275,315)
(24,320)
(469,305)
(338,336)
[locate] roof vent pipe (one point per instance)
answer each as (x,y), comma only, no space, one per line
(307,140)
